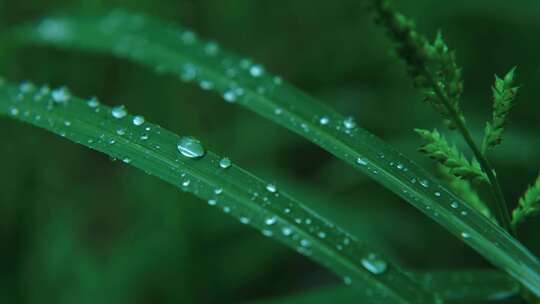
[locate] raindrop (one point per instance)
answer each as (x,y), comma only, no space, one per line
(212,202)
(374,264)
(321,234)
(244,220)
(121,131)
(256,70)
(93,102)
(324,120)
(218,191)
(190,147)
(270,221)
(286,231)
(14,111)
(26,87)
(119,112)
(271,188)
(67,123)
(305,243)
(267,233)
(438,194)
(206,85)
(225,163)
(126,160)
(361,161)
(186,183)
(138,120)
(278,111)
(424,183)
(211,48)
(465,235)
(347,280)
(61,95)
(454,205)
(349,123)
(229,96)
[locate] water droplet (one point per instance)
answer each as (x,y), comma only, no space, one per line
(361,161)
(321,234)
(271,188)
(286,231)
(206,85)
(211,48)
(267,232)
(454,205)
(229,96)
(374,264)
(349,123)
(212,202)
(463,212)
(225,163)
(67,123)
(400,166)
(424,183)
(218,191)
(256,70)
(465,235)
(226,209)
(324,120)
(14,111)
(126,160)
(270,221)
(244,220)
(144,137)
(138,120)
(93,102)
(347,280)
(26,87)
(121,131)
(119,112)
(186,183)
(278,111)
(190,147)
(61,95)
(438,194)
(305,243)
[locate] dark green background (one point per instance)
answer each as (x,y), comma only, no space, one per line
(76,227)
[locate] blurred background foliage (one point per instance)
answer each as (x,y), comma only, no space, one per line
(76,227)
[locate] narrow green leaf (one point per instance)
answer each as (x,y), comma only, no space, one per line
(184,163)
(460,286)
(529,204)
(170,49)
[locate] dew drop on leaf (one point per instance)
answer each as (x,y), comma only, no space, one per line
(138,120)
(374,264)
(361,161)
(61,95)
(119,112)
(225,163)
(324,120)
(286,231)
(93,102)
(271,188)
(256,70)
(465,235)
(349,123)
(454,205)
(212,202)
(190,147)
(270,221)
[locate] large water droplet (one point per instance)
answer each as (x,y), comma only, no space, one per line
(190,147)
(454,204)
(374,264)
(465,235)
(138,120)
(286,231)
(119,112)
(93,102)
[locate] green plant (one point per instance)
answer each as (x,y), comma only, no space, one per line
(169,49)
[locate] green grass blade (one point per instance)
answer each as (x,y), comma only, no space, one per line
(453,286)
(170,49)
(237,192)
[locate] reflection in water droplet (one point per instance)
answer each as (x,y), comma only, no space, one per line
(361,161)
(465,235)
(454,205)
(190,147)
(324,120)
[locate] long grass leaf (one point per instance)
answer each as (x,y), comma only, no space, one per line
(171,49)
(203,173)
(467,286)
